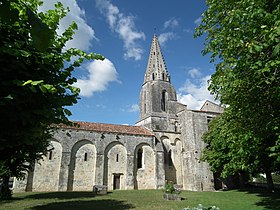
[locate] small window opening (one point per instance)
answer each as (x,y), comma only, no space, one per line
(169,158)
(153,76)
(162,76)
(163,101)
(86,156)
(50,155)
(117,158)
(209,119)
(145,107)
(154,53)
(139,158)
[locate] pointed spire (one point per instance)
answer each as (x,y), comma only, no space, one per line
(156,68)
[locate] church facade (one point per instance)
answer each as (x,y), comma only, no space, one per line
(164,145)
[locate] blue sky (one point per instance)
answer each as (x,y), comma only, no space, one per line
(122,31)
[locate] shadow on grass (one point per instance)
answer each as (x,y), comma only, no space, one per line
(84,205)
(268,200)
(61,195)
(10,200)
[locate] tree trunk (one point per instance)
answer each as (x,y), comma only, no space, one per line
(270,185)
(5,192)
(241,180)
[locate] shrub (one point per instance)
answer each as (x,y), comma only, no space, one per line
(171,188)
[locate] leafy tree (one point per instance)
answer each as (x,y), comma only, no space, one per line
(35,82)
(232,149)
(243,38)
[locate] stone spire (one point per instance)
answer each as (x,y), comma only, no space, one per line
(156,68)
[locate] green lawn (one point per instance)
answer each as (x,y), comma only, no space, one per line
(142,199)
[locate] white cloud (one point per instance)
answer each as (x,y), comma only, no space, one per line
(171,23)
(83,36)
(188,30)
(100,74)
(194,72)
(194,95)
(198,21)
(134,108)
(124,26)
(164,37)
(131,108)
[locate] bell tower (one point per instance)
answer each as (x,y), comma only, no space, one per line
(158,97)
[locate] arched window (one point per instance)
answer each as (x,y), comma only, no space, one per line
(139,158)
(50,155)
(176,127)
(163,101)
(145,108)
(169,158)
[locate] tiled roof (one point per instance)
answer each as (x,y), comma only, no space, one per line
(109,128)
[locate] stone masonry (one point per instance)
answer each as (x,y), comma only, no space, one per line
(165,145)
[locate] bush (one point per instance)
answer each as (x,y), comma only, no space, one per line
(170,188)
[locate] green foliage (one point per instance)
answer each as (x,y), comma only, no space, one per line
(35,81)
(171,188)
(243,38)
(5,191)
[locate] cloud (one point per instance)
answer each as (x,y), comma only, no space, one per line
(84,35)
(134,108)
(125,27)
(100,74)
(198,21)
(194,72)
(171,23)
(164,37)
(188,30)
(194,95)
(131,108)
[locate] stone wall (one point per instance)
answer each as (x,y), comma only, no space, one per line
(146,175)
(196,174)
(81,159)
(46,171)
(116,163)
(83,166)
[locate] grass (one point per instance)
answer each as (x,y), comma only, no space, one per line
(142,199)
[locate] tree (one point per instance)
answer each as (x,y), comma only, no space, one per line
(35,82)
(233,150)
(243,38)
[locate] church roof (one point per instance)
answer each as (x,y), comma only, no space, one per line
(210,106)
(156,67)
(109,128)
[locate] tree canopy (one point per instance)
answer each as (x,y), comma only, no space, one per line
(243,39)
(35,81)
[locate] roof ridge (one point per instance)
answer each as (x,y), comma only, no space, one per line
(110,128)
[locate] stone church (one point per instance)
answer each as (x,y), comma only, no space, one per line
(165,144)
